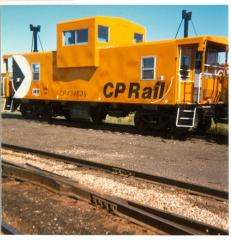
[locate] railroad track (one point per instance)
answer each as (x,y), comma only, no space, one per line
(154,218)
(8,229)
(190,187)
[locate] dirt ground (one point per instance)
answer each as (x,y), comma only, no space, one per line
(201,160)
(34,210)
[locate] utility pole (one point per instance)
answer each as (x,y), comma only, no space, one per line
(35,31)
(187,17)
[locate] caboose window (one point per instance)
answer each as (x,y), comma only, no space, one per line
(36,71)
(148,68)
(75,37)
(82,36)
(138,37)
(69,37)
(103,34)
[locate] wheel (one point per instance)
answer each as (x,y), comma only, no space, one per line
(97,115)
(68,116)
(25,111)
(142,121)
(204,125)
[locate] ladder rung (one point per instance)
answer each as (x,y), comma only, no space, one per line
(186,118)
(188,110)
(188,126)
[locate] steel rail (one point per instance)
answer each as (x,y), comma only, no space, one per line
(8,229)
(154,218)
(190,187)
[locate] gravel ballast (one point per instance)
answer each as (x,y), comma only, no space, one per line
(166,198)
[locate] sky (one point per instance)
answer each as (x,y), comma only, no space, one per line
(161,21)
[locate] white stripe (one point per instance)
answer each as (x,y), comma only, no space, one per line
(26,82)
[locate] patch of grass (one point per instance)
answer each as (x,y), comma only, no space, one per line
(219,129)
(216,129)
(129,120)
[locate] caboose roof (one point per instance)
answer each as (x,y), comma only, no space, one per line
(98,18)
(215,39)
(200,40)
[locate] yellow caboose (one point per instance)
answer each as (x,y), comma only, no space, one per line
(103,65)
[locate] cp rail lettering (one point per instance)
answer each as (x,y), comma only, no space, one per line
(134,90)
(77,93)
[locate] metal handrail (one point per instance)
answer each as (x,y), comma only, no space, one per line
(215,66)
(3,86)
(199,87)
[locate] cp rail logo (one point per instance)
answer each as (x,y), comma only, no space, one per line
(134,90)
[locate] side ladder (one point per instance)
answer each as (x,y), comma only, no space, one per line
(8,104)
(186,116)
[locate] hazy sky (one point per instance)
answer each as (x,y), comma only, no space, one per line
(161,22)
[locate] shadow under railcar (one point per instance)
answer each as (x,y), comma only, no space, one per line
(211,137)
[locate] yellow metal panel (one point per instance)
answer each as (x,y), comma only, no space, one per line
(186,92)
(121,31)
(81,55)
(118,65)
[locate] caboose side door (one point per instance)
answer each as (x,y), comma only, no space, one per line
(189,74)
(7,90)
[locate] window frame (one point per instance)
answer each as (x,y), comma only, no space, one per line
(63,33)
(135,33)
(76,37)
(108,37)
(154,68)
(32,70)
